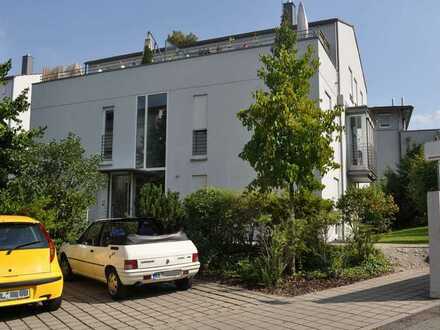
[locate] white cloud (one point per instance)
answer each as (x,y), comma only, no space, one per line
(427,120)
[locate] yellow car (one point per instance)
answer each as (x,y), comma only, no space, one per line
(29,269)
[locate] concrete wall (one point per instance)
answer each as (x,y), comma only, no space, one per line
(20,84)
(409,139)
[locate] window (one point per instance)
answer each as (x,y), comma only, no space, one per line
(120,195)
(356,134)
(384,121)
(140,132)
(91,236)
(356,92)
(200,124)
(351,85)
(107,136)
(156,130)
(329,103)
(27,235)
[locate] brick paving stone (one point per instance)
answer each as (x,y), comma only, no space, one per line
(214,306)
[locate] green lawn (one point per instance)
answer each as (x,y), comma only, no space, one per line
(406,236)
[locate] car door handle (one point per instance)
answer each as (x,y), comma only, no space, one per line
(114,248)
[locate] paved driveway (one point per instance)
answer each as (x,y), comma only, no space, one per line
(366,304)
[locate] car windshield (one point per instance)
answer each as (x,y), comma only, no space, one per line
(21,235)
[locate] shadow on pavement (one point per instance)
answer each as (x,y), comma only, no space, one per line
(412,289)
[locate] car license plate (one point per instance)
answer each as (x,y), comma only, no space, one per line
(14,295)
(156,276)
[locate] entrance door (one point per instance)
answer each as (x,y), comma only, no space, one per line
(120,196)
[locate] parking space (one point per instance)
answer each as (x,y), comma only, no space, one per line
(366,304)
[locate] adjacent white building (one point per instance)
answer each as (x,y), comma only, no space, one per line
(15,85)
(174,121)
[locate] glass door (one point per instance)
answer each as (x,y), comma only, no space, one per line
(120,196)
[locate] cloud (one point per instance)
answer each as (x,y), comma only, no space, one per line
(427,120)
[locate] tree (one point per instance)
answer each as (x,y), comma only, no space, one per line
(164,207)
(409,184)
(57,181)
(180,39)
(13,139)
(369,206)
(291,136)
(147,57)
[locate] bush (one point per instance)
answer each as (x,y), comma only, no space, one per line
(164,207)
(409,184)
(370,206)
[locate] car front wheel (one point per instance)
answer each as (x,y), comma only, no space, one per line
(115,287)
(184,284)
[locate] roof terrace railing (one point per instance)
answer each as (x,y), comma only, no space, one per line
(174,54)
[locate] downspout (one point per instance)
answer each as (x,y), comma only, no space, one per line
(341,145)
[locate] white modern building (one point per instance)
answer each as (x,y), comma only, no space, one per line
(15,85)
(174,121)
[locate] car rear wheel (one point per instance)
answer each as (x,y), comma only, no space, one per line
(184,284)
(65,268)
(53,304)
(115,288)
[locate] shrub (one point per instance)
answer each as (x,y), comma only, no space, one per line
(409,184)
(370,206)
(210,222)
(164,207)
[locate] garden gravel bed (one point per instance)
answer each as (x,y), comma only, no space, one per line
(405,256)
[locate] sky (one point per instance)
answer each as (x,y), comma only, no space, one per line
(398,39)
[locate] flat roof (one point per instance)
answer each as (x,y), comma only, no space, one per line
(215,40)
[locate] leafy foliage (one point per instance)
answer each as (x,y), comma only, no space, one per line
(180,39)
(409,184)
(291,136)
(58,179)
(369,206)
(13,139)
(147,56)
(164,207)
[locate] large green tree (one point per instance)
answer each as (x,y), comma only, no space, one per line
(13,139)
(291,135)
(60,181)
(409,184)
(291,142)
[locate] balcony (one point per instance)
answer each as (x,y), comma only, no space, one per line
(174,54)
(107,147)
(362,163)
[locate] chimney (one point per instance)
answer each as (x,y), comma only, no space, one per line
(26,65)
(402,101)
(289,13)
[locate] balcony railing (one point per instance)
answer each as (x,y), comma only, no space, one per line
(107,147)
(363,157)
(173,54)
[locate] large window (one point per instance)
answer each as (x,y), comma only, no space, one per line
(140,132)
(107,135)
(200,126)
(356,142)
(151,128)
(156,130)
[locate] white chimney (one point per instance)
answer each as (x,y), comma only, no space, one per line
(303,23)
(149,41)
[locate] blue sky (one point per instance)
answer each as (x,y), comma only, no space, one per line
(398,38)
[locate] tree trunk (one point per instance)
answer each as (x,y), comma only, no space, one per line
(292,193)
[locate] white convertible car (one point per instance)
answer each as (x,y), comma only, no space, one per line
(124,252)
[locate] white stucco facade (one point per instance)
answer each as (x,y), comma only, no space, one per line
(225,80)
(14,86)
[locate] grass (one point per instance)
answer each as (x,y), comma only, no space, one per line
(406,236)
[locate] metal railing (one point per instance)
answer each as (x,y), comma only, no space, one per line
(107,147)
(173,54)
(363,156)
